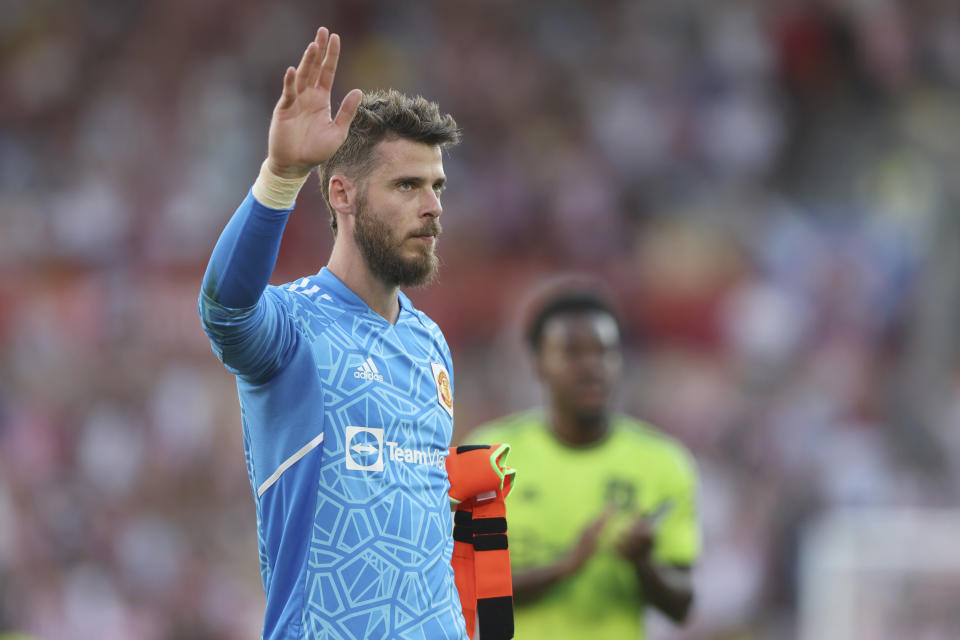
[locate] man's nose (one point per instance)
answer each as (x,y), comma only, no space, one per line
(590,362)
(430,204)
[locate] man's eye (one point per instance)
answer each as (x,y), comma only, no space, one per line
(405,186)
(439,188)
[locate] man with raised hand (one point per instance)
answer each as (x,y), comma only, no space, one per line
(346,390)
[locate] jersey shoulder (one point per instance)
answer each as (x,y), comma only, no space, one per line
(642,435)
(421,318)
(424,323)
(308,299)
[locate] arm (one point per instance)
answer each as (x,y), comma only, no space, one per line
(247,329)
(530,584)
(668,588)
(666,585)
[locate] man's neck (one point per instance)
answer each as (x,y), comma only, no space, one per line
(352,270)
(577,431)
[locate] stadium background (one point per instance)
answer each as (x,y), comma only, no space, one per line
(769,188)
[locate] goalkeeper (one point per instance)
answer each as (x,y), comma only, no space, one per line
(346,389)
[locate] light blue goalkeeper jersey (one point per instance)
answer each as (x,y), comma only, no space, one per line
(346,424)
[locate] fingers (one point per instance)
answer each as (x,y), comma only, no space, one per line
(317,69)
(594,528)
(313,71)
(654,517)
(329,67)
(289,87)
(604,516)
(288,94)
(640,529)
(348,108)
(636,543)
(309,54)
(637,540)
(319,62)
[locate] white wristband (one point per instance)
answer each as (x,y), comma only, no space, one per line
(275,192)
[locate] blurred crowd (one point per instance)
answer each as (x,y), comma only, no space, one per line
(769,188)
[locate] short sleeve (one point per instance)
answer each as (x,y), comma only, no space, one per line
(678,539)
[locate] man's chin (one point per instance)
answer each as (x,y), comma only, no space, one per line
(590,412)
(420,274)
(419,281)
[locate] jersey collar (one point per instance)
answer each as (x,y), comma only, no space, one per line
(351,300)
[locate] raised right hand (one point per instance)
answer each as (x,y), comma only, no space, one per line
(302,132)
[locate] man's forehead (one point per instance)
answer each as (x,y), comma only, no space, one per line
(394,154)
(571,325)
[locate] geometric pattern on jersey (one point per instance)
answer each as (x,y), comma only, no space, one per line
(354,533)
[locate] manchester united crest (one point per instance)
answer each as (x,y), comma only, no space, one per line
(444,390)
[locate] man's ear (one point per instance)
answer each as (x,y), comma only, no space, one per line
(343,194)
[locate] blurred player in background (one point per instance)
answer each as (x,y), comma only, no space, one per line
(345,388)
(604,520)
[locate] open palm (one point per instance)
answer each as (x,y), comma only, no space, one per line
(303,132)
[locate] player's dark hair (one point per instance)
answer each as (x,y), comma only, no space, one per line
(566,301)
(385,115)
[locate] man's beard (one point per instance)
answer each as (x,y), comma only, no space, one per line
(382,250)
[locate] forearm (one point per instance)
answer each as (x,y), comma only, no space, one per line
(246,252)
(669,589)
(248,330)
(529,585)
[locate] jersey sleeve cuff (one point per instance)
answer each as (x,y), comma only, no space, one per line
(275,192)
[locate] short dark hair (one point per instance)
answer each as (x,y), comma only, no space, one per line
(385,115)
(562,301)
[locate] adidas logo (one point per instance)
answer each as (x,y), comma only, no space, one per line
(368,371)
(301,287)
